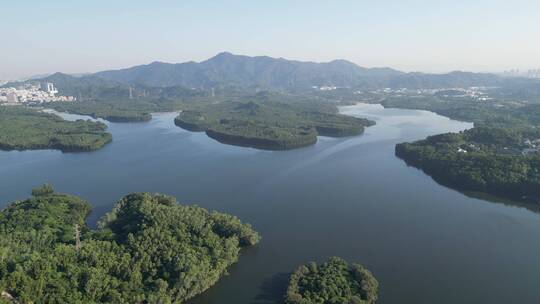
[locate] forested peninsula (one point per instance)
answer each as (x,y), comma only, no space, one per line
(499,156)
(24,128)
(119,109)
(269,125)
(500,161)
(332,282)
(148,249)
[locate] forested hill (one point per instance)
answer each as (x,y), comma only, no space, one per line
(226,69)
(148,249)
(268,124)
(332,282)
(28,129)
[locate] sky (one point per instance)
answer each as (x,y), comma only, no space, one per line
(438,36)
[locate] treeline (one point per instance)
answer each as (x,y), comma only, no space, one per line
(485,159)
(23,129)
(250,134)
(266,124)
(265,120)
(333,282)
(119,110)
(149,249)
(493,113)
(492,157)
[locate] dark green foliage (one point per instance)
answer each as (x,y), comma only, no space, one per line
(149,249)
(336,125)
(266,124)
(497,160)
(45,189)
(492,113)
(261,136)
(333,282)
(119,110)
(23,128)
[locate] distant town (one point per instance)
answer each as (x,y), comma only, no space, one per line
(31,93)
(474,93)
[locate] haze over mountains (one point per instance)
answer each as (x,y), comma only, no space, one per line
(229,70)
(226,69)
(245,71)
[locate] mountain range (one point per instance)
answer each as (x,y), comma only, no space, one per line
(229,70)
(226,69)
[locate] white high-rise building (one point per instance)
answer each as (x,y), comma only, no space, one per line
(49,88)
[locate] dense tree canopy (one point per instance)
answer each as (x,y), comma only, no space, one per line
(149,249)
(333,282)
(494,113)
(119,109)
(23,128)
(500,161)
(498,156)
(269,125)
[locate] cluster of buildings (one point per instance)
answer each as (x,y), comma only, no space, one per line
(532,146)
(528,147)
(324,88)
(31,93)
(475,93)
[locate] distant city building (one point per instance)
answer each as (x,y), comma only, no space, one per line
(12,97)
(324,88)
(49,88)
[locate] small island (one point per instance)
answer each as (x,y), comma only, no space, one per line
(24,128)
(333,282)
(499,161)
(148,249)
(269,125)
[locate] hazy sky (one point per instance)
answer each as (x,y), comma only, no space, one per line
(412,35)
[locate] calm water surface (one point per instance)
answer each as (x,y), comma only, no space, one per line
(348,197)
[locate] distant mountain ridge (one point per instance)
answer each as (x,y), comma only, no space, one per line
(226,69)
(229,70)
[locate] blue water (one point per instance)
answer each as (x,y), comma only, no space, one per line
(349,197)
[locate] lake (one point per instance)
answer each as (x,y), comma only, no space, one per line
(348,197)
